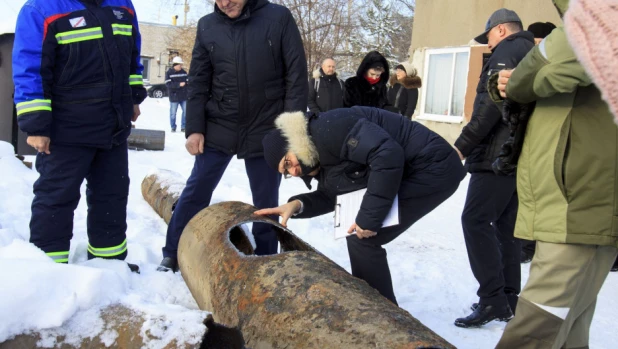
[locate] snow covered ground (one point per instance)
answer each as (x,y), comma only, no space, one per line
(429,265)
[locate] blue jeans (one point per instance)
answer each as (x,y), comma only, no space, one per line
(206,174)
(174,109)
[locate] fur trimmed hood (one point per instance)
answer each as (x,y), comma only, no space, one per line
(318,73)
(408,82)
(293,126)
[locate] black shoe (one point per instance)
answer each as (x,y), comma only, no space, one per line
(173,130)
(525,256)
(134,268)
(167,264)
(615,266)
(182,130)
(484,314)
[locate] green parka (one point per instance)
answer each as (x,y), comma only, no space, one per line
(567,174)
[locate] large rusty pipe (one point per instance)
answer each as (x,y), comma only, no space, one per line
(295,299)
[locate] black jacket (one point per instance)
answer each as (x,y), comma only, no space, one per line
(325,92)
(372,148)
(359,91)
(244,73)
(403,95)
(481,139)
(173,79)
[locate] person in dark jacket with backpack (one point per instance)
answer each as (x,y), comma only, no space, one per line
(403,91)
(354,148)
(176,82)
(325,88)
(368,87)
(78,86)
(248,66)
(488,218)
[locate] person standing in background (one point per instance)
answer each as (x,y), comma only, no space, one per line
(403,91)
(176,82)
(368,87)
(325,88)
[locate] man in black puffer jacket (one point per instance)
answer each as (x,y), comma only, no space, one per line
(350,149)
(248,66)
(488,218)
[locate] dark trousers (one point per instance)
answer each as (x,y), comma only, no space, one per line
(57,193)
(205,176)
(368,257)
(488,222)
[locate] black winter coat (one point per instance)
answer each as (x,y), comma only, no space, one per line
(244,73)
(173,79)
(481,139)
(325,92)
(403,95)
(359,91)
(372,148)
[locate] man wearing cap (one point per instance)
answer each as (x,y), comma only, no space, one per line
(489,213)
(176,82)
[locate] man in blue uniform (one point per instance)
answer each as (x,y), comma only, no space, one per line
(78,86)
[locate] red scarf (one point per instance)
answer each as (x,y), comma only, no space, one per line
(372,80)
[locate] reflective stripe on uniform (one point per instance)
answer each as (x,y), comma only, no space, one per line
(108,251)
(59,257)
(34,105)
(122,29)
(136,80)
(79,35)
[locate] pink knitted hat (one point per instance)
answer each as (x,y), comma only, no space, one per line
(592,29)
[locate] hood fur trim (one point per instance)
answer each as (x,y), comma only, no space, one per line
(318,73)
(408,82)
(293,126)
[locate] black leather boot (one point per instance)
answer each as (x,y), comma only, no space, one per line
(484,314)
(167,264)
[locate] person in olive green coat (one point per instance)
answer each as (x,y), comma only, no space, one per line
(568,194)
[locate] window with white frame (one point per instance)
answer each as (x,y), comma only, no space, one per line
(445,80)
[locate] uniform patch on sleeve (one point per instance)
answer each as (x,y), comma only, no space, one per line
(78,22)
(352,142)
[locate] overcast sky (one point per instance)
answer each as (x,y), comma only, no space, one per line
(158,11)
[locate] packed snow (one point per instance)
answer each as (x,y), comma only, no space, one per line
(429,264)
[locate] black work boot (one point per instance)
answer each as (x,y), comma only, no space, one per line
(485,313)
(167,264)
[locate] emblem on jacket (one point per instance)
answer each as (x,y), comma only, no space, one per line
(119,14)
(352,142)
(78,22)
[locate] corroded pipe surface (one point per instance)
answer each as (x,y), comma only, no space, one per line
(295,299)
(161,190)
(126,323)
